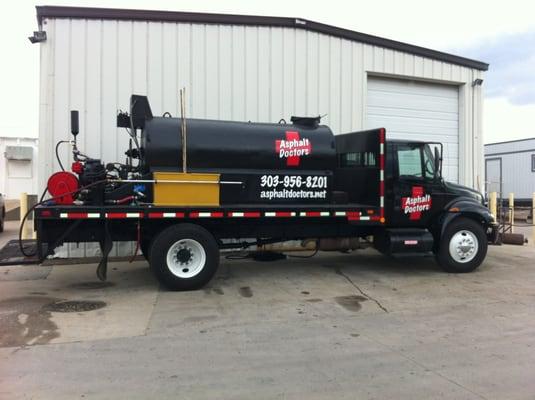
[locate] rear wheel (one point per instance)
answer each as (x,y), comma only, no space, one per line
(463,246)
(184,257)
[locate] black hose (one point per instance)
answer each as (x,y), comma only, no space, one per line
(57,154)
(308,256)
(41,201)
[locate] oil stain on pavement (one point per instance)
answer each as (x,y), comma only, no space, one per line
(246,291)
(351,302)
(27,320)
(92,285)
(73,306)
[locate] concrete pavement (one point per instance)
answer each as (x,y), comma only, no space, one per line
(356,326)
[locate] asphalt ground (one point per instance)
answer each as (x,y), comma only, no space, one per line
(336,326)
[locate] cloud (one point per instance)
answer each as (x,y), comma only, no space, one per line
(512,66)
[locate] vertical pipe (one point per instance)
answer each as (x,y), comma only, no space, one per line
(533,219)
(23,211)
(512,211)
(493,203)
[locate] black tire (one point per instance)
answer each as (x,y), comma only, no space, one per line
(472,230)
(2,218)
(144,246)
(186,240)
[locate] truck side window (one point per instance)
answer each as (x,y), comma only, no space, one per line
(410,161)
(360,159)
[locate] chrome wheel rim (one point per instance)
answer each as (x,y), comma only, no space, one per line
(186,258)
(463,246)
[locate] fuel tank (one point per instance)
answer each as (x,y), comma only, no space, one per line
(225,146)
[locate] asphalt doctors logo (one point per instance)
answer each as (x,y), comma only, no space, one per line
(293,148)
(416,204)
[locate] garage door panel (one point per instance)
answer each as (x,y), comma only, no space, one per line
(413,101)
(449,142)
(421,88)
(423,111)
(400,123)
(414,129)
(412,113)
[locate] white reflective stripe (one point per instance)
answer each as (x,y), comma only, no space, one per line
(364,218)
(325,213)
(93,215)
(132,215)
(64,215)
(382,200)
(169,215)
(303,214)
(382,175)
(340,213)
(205,215)
(270,214)
(382,148)
(237,214)
(293,214)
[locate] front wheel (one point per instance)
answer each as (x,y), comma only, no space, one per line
(184,257)
(463,246)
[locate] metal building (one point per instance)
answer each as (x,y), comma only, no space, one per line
(253,68)
(18,166)
(510,168)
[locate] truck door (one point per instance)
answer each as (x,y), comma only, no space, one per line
(412,185)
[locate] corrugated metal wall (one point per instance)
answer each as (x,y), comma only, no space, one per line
(516,167)
(230,72)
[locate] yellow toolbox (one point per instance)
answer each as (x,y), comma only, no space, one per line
(180,189)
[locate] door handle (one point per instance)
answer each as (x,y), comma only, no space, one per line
(397,202)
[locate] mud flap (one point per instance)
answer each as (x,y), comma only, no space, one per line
(106,245)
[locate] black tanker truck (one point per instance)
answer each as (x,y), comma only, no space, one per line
(191,187)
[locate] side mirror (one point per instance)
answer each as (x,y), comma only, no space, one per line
(438,163)
(74,123)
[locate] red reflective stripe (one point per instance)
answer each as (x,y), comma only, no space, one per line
(179,215)
(251,214)
(194,215)
(313,214)
(381,188)
(76,215)
(283,214)
(382,135)
(156,215)
(375,218)
(353,215)
(46,213)
(115,215)
(216,215)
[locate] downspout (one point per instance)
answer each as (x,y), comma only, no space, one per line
(475,175)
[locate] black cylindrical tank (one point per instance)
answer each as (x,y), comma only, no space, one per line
(214,145)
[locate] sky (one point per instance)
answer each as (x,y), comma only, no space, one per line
(499,33)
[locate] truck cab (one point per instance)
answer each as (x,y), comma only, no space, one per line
(418,200)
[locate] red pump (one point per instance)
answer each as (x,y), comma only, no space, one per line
(62,186)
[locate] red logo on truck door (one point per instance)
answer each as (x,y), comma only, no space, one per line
(416,204)
(293,148)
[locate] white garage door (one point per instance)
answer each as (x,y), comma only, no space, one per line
(417,111)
